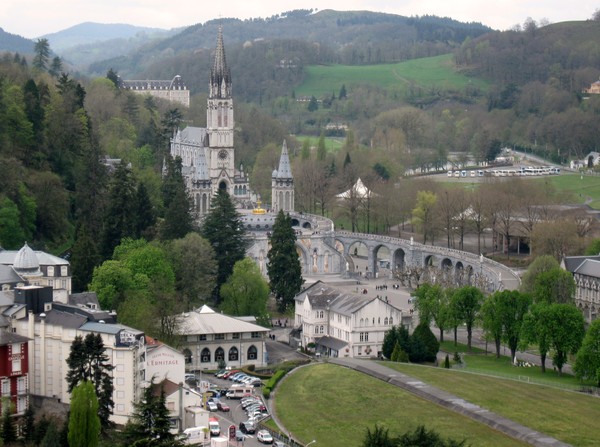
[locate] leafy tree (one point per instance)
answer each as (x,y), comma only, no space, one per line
(245,292)
(11,232)
(284,269)
(321,148)
(42,53)
(112,281)
(587,363)
(491,316)
(466,303)
(312,104)
(87,361)
(195,267)
(84,422)
(423,214)
(593,249)
(539,265)
(554,286)
(150,423)
(432,303)
(424,345)
(224,230)
(396,335)
(566,333)
(537,329)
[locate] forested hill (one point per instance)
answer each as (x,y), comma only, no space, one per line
(292,40)
(567,52)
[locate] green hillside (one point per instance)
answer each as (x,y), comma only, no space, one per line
(431,72)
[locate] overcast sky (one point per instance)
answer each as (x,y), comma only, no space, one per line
(34,18)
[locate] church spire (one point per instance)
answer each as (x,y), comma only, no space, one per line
(284,171)
(220,76)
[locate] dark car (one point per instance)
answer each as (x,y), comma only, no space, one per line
(247,427)
(222,406)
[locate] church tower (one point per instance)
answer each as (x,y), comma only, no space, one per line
(219,122)
(282,184)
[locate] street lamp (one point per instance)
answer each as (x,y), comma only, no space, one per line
(311,442)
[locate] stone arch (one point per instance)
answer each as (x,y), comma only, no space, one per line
(430,261)
(446,264)
(398,259)
(252,353)
(306,225)
(233,354)
(187,354)
(219,354)
(205,356)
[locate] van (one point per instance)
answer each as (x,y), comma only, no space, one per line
(239,391)
(194,435)
(214,427)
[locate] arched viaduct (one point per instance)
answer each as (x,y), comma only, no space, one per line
(324,251)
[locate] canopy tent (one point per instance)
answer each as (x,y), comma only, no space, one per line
(358,190)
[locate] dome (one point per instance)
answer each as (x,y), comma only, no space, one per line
(26,259)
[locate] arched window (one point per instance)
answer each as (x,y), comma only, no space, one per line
(188,355)
(252,353)
(205,356)
(233,354)
(219,354)
(362,322)
(385,321)
(391,321)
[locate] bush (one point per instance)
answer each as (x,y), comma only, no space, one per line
(424,345)
(447,362)
(457,358)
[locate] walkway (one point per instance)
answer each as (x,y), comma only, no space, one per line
(449,401)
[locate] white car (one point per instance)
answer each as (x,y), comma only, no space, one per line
(264,436)
(211,406)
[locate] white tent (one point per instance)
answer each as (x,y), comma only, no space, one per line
(358,190)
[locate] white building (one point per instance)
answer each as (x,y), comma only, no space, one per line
(184,405)
(40,269)
(211,338)
(340,324)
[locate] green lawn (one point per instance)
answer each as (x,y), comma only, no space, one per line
(332,144)
(437,71)
(336,405)
(575,187)
(568,416)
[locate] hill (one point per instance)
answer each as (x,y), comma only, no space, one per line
(15,44)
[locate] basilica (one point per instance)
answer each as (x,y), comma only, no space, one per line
(208,154)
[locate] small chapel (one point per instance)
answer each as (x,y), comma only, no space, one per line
(208,154)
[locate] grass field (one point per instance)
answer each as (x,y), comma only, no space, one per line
(568,416)
(437,71)
(336,405)
(332,144)
(576,188)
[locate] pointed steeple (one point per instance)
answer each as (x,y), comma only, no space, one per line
(284,171)
(220,76)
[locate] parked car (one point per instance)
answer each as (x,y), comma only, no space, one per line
(230,373)
(220,372)
(248,427)
(279,444)
(211,406)
(222,406)
(264,436)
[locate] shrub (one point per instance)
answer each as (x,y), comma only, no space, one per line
(447,362)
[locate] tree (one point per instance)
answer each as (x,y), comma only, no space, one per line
(144,216)
(312,104)
(55,67)
(567,329)
(245,292)
(42,53)
(513,306)
(9,431)
(195,267)
(593,249)
(84,258)
(537,328)
(87,361)
(178,219)
(379,437)
(587,363)
(424,345)
(539,265)
(491,316)
(11,232)
(84,422)
(554,286)
(224,230)
(396,335)
(52,437)
(466,303)
(284,269)
(421,437)
(423,214)
(321,149)
(342,94)
(150,423)
(431,301)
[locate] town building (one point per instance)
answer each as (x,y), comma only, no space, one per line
(212,340)
(175,91)
(36,268)
(594,88)
(184,405)
(14,371)
(340,324)
(586,272)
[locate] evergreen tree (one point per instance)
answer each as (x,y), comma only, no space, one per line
(28,424)
(84,422)
(178,218)
(342,94)
(55,67)
(424,344)
(84,258)
(51,437)
(9,431)
(113,76)
(144,216)
(321,149)
(224,230)
(88,362)
(285,271)
(150,423)
(312,104)
(42,53)
(119,218)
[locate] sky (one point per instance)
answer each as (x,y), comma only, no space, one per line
(35,18)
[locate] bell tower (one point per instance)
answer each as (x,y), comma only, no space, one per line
(219,122)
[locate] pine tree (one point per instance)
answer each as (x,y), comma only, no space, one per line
(42,53)
(9,431)
(84,257)
(285,271)
(87,361)
(144,217)
(178,218)
(224,230)
(321,149)
(84,422)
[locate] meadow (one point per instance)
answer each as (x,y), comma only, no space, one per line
(335,406)
(432,72)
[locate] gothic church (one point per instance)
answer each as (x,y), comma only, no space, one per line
(208,154)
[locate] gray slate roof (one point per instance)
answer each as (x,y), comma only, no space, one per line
(589,267)
(207,321)
(572,263)
(10,337)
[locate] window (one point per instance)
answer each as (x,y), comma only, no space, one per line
(63,270)
(21,385)
(385,321)
(120,367)
(391,321)
(21,404)
(202,337)
(5,387)
(255,334)
(120,408)
(233,354)
(120,394)
(120,355)
(120,381)
(187,354)
(50,271)
(219,336)
(252,353)
(235,335)
(205,356)
(219,354)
